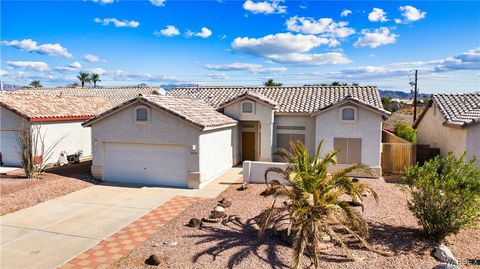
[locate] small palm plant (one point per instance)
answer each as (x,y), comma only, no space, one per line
(314,206)
(84,78)
(95,78)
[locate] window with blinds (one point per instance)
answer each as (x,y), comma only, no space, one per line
(350,150)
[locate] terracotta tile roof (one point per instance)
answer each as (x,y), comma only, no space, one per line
(305,99)
(459,109)
(196,112)
(115,95)
(351,100)
(252,95)
(40,107)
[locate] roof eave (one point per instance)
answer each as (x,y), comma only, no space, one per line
(369,107)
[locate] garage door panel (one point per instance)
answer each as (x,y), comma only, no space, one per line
(146,164)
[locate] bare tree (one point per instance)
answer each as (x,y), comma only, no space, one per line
(34,154)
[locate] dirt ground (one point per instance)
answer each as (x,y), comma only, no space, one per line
(236,245)
(18,192)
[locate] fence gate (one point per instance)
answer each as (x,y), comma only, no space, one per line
(396,157)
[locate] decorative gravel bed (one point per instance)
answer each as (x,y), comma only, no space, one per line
(18,192)
(236,245)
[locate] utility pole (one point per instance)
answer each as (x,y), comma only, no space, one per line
(415,97)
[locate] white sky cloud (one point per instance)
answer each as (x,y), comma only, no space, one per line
(411,14)
(45,49)
(158,3)
(204,33)
(3,73)
(218,76)
(377,14)
(99,71)
(345,12)
(170,30)
(264,7)
(117,23)
(92,58)
(329,58)
(38,66)
(248,67)
(103,1)
(377,37)
(324,26)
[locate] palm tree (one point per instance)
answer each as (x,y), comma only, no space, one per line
(271,83)
(84,78)
(36,84)
(314,208)
(95,78)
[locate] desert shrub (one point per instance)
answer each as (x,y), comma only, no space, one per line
(445,195)
(405,131)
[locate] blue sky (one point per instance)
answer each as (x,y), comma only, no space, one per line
(243,42)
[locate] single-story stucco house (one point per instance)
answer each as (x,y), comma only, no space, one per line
(192,134)
(451,122)
(59,118)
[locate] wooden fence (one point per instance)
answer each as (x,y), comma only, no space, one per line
(396,157)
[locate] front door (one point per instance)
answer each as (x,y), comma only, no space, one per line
(248,146)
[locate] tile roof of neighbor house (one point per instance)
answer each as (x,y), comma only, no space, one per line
(306,99)
(196,112)
(115,95)
(252,95)
(458,110)
(41,107)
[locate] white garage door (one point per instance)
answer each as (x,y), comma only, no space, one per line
(9,148)
(146,164)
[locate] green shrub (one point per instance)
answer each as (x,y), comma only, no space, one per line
(445,195)
(405,131)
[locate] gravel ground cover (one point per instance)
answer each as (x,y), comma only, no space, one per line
(236,245)
(18,192)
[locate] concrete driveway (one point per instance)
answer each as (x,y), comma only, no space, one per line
(50,233)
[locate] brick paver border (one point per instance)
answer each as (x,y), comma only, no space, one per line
(118,245)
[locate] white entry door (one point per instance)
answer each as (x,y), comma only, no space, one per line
(149,164)
(9,148)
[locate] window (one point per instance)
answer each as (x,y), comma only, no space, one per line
(142,114)
(348,114)
(247,107)
(283,140)
(350,150)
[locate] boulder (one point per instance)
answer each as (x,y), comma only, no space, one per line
(194,223)
(446,266)
(243,187)
(153,260)
(225,202)
(219,209)
(443,253)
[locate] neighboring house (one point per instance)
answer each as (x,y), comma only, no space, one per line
(190,135)
(451,122)
(161,140)
(59,118)
(115,95)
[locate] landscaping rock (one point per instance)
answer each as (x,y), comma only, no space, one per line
(153,260)
(366,193)
(326,238)
(194,223)
(243,187)
(443,253)
(446,266)
(356,201)
(217,216)
(219,209)
(225,202)
(169,244)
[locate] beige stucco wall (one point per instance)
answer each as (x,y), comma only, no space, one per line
(305,121)
(216,153)
(9,121)
(262,113)
(368,127)
(67,136)
(430,131)
(163,128)
(473,142)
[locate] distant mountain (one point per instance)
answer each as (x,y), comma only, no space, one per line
(401,95)
(168,87)
(9,87)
